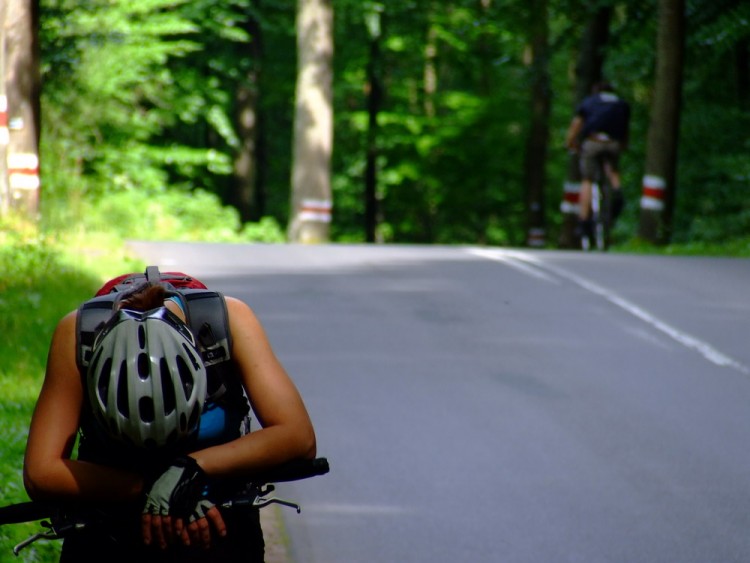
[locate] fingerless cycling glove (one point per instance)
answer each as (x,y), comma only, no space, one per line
(178,491)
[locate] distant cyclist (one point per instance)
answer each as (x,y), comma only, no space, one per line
(158,391)
(599,130)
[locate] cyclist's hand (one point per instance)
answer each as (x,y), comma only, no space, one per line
(201,529)
(177,490)
(157,529)
(175,494)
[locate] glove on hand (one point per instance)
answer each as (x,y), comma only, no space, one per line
(201,508)
(177,491)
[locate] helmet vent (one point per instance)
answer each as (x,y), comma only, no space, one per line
(194,417)
(191,355)
(141,337)
(167,387)
(95,358)
(103,383)
(144,364)
(122,390)
(186,377)
(146,409)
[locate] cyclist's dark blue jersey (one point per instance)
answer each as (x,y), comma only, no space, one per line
(605,113)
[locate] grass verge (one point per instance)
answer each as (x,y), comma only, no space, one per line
(41,281)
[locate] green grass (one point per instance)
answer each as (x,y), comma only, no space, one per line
(733,248)
(41,281)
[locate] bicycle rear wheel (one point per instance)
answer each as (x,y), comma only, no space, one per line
(604,219)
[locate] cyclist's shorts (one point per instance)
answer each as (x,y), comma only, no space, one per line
(592,150)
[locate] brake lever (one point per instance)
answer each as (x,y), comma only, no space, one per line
(49,535)
(261,502)
(52,533)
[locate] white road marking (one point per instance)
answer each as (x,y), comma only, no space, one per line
(513,259)
(532,265)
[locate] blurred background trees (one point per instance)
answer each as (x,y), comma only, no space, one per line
(448,117)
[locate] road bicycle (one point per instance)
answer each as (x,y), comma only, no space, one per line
(60,519)
(601,209)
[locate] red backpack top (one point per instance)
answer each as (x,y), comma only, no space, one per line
(177,279)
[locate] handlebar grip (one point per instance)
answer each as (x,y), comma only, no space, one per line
(26,512)
(295,471)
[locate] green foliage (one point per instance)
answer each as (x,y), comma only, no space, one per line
(129,108)
(43,280)
(139,112)
(714,196)
(174,215)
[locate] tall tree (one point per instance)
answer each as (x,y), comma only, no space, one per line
(4,134)
(20,56)
(537,141)
(660,179)
(248,194)
(373,20)
(742,62)
(313,124)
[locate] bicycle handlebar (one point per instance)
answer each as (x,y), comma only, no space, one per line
(31,511)
(27,511)
(294,471)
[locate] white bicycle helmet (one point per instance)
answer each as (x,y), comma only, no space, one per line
(146,380)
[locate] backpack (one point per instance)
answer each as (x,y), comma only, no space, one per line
(207,317)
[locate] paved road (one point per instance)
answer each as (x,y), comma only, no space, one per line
(505,406)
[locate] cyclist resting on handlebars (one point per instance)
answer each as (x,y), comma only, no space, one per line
(599,131)
(161,438)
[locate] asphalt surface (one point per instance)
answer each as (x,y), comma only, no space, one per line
(498,405)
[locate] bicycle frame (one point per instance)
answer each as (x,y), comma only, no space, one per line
(601,208)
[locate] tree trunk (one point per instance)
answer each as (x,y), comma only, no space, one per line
(313,124)
(20,59)
(659,182)
(588,73)
(374,97)
(430,79)
(536,146)
(246,196)
(485,51)
(742,58)
(4,133)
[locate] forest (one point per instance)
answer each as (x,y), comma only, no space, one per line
(448,117)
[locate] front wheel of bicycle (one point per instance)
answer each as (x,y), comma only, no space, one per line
(604,219)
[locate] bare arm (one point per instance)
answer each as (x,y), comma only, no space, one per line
(48,471)
(286,432)
(574,130)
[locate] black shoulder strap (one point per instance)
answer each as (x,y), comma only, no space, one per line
(91,316)
(152,274)
(208,319)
